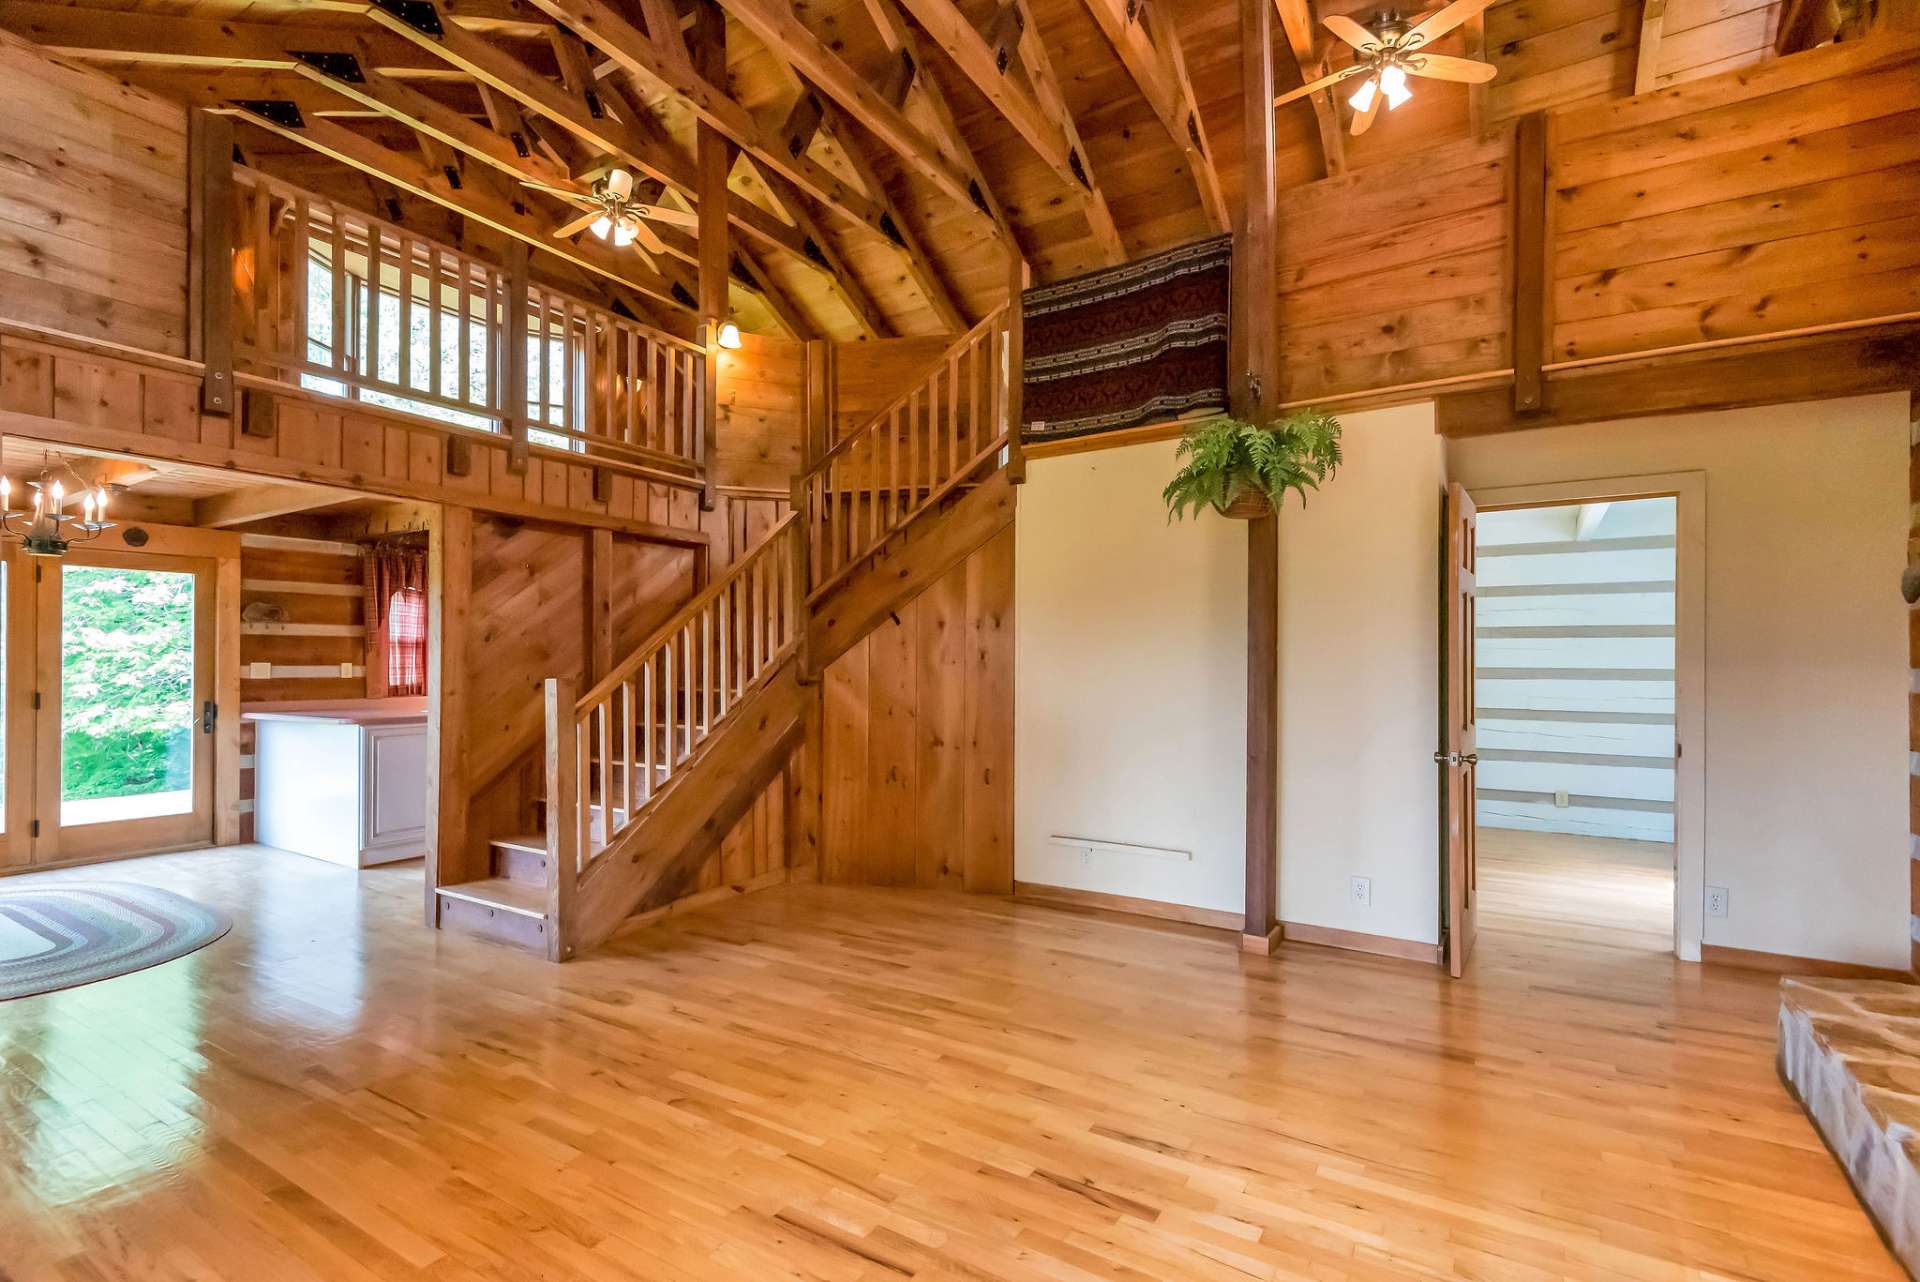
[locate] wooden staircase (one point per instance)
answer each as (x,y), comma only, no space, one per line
(646,772)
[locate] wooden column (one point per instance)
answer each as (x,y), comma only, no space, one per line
(449,590)
(1019,276)
(1532,246)
(600,602)
(1255,389)
(210,256)
(562,773)
(513,356)
(713,160)
(226,694)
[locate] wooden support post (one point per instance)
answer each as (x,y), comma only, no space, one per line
(563,820)
(1532,247)
(513,358)
(800,569)
(817,436)
(210,255)
(226,694)
(1019,276)
(449,591)
(600,602)
(713,161)
(1255,390)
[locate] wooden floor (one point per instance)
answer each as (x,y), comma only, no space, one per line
(863,1084)
(1588,893)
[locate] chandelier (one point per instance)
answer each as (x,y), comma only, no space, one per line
(47,528)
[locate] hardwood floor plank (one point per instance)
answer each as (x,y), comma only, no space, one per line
(833,1083)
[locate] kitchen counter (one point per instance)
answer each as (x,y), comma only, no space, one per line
(344,780)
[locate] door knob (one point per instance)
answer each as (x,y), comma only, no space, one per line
(1456,758)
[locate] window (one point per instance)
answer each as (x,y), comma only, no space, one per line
(396,613)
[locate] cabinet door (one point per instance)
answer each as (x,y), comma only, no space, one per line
(394,796)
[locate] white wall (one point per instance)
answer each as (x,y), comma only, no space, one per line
(1623,769)
(1130,722)
(1806,517)
(1359,687)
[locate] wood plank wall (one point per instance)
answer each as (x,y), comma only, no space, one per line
(1396,273)
(1777,199)
(93,226)
(869,375)
(763,404)
(917,731)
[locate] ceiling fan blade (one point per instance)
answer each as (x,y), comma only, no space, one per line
(1317,85)
(1351,32)
(1363,120)
(1441,23)
(570,229)
(670,217)
(1437,66)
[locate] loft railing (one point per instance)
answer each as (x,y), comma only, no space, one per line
(912,454)
(338,301)
(611,751)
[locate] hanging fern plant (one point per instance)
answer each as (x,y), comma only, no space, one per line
(1242,470)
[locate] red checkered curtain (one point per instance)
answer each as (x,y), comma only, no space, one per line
(396,581)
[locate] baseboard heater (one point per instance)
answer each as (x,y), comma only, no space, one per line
(1120,847)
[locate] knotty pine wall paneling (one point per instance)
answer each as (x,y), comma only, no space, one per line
(917,731)
(93,227)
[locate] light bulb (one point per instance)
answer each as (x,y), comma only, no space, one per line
(1393,84)
(601,226)
(620,183)
(624,231)
(730,336)
(86,506)
(6,488)
(1362,99)
(100,504)
(56,496)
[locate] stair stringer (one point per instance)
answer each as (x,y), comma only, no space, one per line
(657,858)
(905,566)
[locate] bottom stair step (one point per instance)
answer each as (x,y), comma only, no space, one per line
(497,908)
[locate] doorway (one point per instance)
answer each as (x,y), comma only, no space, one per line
(1586,708)
(110,707)
(1574,684)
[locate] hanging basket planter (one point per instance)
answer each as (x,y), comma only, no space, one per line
(1250,506)
(1256,463)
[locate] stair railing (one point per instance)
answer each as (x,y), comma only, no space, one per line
(612,750)
(928,442)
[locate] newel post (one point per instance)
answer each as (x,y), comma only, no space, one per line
(563,816)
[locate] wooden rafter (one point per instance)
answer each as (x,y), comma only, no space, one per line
(781,30)
(910,80)
(1297,23)
(412,173)
(753,275)
(1044,131)
(1159,68)
(919,263)
(1646,67)
(1046,88)
(826,255)
(630,47)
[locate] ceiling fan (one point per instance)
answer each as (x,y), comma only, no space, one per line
(611,212)
(1390,49)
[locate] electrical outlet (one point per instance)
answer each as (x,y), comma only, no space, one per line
(1716,901)
(346,670)
(1362,891)
(1560,799)
(260,671)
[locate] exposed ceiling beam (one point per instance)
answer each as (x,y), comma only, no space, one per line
(262,502)
(1473,33)
(911,80)
(631,48)
(188,42)
(1046,88)
(781,30)
(976,59)
(839,277)
(1646,67)
(501,72)
(415,175)
(1296,21)
(1158,66)
(919,263)
(788,316)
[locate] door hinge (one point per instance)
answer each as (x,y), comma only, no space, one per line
(36,701)
(209,713)
(35,830)
(1679,750)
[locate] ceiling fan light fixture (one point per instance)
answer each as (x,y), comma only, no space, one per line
(619,184)
(1393,85)
(625,231)
(602,227)
(1362,98)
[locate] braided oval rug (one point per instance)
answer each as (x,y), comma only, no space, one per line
(61,936)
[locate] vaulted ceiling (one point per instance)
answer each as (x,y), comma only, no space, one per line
(890,146)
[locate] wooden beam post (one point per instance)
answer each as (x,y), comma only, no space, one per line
(562,769)
(600,602)
(449,591)
(1019,276)
(1255,390)
(513,374)
(713,163)
(1532,247)
(210,255)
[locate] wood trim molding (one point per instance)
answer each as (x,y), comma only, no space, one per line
(1262,945)
(1358,942)
(1033,892)
(1787,964)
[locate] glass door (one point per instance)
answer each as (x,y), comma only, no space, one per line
(122,705)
